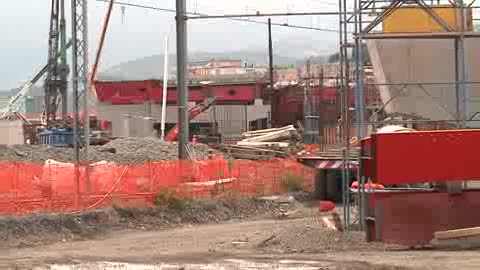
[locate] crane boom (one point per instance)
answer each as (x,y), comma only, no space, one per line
(192,113)
(15,102)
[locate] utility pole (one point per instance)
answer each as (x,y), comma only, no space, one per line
(270,53)
(270,63)
(182,73)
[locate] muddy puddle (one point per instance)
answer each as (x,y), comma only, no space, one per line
(224,265)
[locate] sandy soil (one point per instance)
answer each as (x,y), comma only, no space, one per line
(266,240)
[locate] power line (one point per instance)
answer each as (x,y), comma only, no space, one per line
(232,19)
(259,14)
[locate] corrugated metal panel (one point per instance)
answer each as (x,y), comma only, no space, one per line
(416,20)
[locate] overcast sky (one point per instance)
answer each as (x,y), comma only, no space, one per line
(138,32)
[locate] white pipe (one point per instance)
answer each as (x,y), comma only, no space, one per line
(165,84)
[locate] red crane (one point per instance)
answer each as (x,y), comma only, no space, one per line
(193,112)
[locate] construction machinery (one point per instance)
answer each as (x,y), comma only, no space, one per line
(56,73)
(12,110)
(193,112)
(56,82)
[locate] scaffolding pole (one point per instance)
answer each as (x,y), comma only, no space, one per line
(366,16)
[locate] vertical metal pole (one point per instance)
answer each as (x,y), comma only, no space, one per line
(63,58)
(270,53)
(458,111)
(75,76)
(363,124)
(306,109)
(83,28)
(342,93)
(465,94)
(182,73)
(464,87)
(347,120)
(270,67)
(246,118)
(358,87)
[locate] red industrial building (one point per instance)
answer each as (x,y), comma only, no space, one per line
(238,106)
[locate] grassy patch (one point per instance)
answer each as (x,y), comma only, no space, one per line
(169,198)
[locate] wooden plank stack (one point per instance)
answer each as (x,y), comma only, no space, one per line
(265,144)
(460,239)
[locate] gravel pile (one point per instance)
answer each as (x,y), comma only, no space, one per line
(312,238)
(121,151)
(139,150)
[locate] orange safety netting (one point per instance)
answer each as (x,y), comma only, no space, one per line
(26,188)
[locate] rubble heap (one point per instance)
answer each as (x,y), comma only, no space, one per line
(121,151)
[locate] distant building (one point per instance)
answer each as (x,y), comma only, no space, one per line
(218,67)
(286,74)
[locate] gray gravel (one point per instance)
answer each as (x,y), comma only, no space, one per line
(121,151)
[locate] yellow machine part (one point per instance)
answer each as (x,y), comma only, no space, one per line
(417,20)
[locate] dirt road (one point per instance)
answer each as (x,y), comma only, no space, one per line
(260,241)
(229,233)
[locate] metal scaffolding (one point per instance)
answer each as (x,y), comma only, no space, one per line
(360,20)
(79,75)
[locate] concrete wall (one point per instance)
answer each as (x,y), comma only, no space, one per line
(422,60)
(231,119)
(134,126)
(11,132)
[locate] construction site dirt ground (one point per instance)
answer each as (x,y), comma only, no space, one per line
(240,239)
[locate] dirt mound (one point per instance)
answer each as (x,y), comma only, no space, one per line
(46,228)
(309,236)
(121,151)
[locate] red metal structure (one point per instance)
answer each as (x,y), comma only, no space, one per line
(411,218)
(136,92)
(288,103)
(193,112)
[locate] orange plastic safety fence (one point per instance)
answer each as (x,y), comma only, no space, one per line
(26,188)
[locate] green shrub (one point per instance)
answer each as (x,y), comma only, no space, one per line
(168,197)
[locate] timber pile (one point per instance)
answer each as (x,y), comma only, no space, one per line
(265,144)
(467,238)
